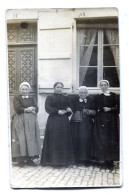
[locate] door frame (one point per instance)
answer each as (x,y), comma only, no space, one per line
(18,46)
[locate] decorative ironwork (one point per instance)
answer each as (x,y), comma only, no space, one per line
(19,33)
(26,34)
(12,33)
(27,66)
(12,70)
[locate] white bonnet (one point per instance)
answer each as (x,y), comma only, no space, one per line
(24,83)
(104,81)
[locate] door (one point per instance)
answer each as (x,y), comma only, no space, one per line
(22,59)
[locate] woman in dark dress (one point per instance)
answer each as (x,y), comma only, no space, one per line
(106,127)
(82,127)
(57,146)
(25,133)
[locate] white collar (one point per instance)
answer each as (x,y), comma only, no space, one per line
(25,96)
(83,100)
(106,93)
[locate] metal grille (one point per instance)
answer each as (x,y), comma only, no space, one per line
(12,70)
(27,66)
(12,33)
(26,35)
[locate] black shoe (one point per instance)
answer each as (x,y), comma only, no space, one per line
(111,166)
(31,163)
(21,164)
(108,165)
(103,165)
(87,163)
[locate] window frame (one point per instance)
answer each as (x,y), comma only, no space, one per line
(101,25)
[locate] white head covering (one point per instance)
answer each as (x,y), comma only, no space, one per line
(106,93)
(104,81)
(24,83)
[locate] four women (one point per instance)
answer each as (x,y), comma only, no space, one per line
(77,131)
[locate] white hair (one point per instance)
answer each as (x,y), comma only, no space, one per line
(83,87)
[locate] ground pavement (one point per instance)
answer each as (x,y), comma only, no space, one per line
(74,176)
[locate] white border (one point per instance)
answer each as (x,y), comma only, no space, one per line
(123,9)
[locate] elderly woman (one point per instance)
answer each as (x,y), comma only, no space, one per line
(25,131)
(57,148)
(81,126)
(106,127)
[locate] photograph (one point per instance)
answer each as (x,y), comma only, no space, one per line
(64,98)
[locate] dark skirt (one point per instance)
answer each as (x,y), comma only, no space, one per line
(106,137)
(82,138)
(57,147)
(25,136)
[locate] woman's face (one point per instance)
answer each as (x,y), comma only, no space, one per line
(83,93)
(104,86)
(58,89)
(24,90)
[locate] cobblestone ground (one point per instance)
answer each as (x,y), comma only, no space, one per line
(74,176)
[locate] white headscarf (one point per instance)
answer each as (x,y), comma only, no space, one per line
(24,83)
(106,93)
(104,81)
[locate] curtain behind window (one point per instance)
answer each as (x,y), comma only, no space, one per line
(87,41)
(112,37)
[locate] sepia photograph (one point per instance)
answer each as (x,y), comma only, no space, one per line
(64,98)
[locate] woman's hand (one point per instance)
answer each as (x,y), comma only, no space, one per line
(106,109)
(89,112)
(85,112)
(62,112)
(30,109)
(69,110)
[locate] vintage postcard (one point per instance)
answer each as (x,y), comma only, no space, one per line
(64,93)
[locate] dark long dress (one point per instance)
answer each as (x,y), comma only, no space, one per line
(25,133)
(82,131)
(106,128)
(57,147)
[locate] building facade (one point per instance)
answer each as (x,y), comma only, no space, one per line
(74,46)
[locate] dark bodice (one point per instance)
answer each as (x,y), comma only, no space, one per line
(56,102)
(111,101)
(76,105)
(20,104)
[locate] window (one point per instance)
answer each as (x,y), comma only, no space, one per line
(98,54)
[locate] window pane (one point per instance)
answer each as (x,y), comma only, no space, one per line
(88,56)
(108,58)
(111,74)
(88,76)
(111,57)
(85,36)
(111,51)
(111,36)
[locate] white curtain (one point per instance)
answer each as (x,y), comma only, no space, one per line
(112,37)
(87,52)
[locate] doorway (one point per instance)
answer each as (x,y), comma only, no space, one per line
(22,58)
